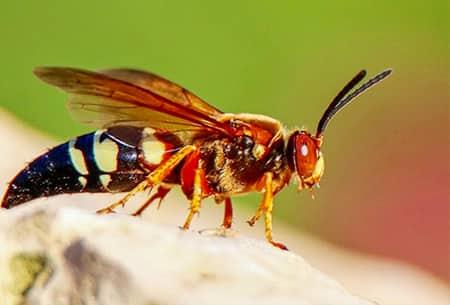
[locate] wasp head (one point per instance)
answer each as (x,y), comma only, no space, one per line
(303,149)
(305,158)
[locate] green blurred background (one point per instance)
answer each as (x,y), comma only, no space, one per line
(385,190)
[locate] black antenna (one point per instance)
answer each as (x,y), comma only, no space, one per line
(340,101)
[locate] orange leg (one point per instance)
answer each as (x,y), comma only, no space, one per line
(228,214)
(161,192)
(154,178)
(266,207)
(257,215)
(196,199)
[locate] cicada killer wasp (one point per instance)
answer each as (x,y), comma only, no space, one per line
(155,134)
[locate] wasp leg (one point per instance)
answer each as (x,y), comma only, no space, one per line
(228,214)
(196,199)
(261,207)
(257,215)
(154,178)
(266,207)
(160,194)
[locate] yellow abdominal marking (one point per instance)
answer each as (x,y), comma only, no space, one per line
(105,153)
(77,158)
(153,150)
(105,180)
(83,181)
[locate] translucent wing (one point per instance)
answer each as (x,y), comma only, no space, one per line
(164,88)
(129,97)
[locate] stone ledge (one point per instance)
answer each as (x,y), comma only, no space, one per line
(71,256)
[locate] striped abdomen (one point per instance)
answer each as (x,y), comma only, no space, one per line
(112,160)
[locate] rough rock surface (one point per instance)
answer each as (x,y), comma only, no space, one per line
(70,256)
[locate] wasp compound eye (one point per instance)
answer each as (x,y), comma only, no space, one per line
(306,154)
(305,158)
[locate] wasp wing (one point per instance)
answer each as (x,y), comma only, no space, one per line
(164,88)
(109,99)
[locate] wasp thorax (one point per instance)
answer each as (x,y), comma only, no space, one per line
(305,158)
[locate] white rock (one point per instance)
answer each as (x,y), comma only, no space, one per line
(71,256)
